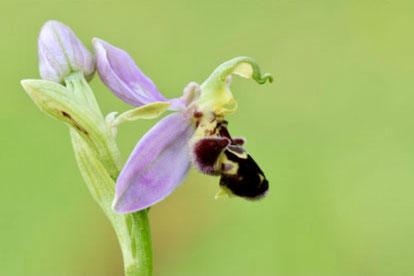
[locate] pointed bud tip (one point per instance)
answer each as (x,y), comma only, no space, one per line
(96,40)
(29,84)
(53,23)
(25,84)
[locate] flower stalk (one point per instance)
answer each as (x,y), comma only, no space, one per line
(66,66)
(98,159)
(132,230)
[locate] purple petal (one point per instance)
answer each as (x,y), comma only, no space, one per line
(62,53)
(122,76)
(158,164)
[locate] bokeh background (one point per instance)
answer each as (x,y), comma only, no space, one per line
(334,135)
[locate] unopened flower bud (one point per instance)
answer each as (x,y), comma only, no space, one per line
(62,53)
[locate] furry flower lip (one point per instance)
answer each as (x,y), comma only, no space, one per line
(195,133)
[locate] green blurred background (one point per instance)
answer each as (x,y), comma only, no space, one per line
(334,135)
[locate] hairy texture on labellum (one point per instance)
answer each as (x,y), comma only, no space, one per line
(217,153)
(196,133)
(248,181)
(206,152)
(238,141)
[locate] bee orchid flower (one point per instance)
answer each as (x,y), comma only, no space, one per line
(195,133)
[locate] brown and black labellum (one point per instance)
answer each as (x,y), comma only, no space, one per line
(249,180)
(206,153)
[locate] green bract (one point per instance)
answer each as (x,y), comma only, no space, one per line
(76,106)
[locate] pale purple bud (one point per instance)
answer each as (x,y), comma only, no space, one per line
(62,53)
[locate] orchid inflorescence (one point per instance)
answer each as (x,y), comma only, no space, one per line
(194,133)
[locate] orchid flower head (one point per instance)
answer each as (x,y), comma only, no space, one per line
(195,134)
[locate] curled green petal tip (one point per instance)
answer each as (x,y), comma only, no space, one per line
(245,67)
(262,79)
(248,68)
(215,93)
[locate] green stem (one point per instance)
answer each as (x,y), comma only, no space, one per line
(134,236)
(132,230)
(98,158)
(141,245)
